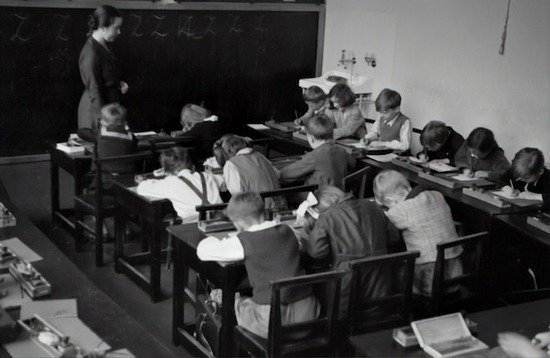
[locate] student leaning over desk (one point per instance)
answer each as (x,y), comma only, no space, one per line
(317,102)
(183,186)
(270,252)
(440,143)
(527,178)
(481,157)
(346,114)
(393,129)
(328,163)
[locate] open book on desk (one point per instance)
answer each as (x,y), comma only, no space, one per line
(446,336)
(511,197)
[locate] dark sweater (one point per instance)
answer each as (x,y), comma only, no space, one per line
(449,148)
(495,162)
(270,255)
(327,164)
(541,186)
(112,142)
(207,134)
(351,230)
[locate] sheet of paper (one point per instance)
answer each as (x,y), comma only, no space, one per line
(49,309)
(441,167)
(24,347)
(120,353)
(81,335)
(145,134)
(383,158)
(15,297)
(415,160)
(258,126)
(505,194)
(21,250)
(462,177)
(441,329)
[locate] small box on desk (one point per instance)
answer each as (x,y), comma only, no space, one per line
(70,148)
(30,280)
(487,197)
(215,225)
(287,127)
(541,222)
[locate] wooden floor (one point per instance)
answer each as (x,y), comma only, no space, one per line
(29,188)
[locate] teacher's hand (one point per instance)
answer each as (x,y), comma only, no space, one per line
(124,87)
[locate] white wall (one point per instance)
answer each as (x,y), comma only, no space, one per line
(442,56)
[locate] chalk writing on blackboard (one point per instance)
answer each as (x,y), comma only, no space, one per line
(260,27)
(235,27)
(184,27)
(60,34)
(156,32)
(17,36)
(209,30)
(135,32)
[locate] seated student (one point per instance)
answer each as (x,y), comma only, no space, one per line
(346,115)
(516,345)
(425,220)
(393,129)
(199,122)
(328,163)
(317,102)
(270,253)
(528,176)
(247,170)
(440,142)
(481,157)
(348,229)
(183,186)
(115,138)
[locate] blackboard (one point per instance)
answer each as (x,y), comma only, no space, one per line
(243,65)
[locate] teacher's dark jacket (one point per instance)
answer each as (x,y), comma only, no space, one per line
(101,77)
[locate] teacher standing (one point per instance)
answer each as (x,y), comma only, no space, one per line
(99,69)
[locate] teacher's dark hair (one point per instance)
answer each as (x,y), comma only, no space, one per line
(103,16)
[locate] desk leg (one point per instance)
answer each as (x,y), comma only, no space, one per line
(54,185)
(180,281)
(120,234)
(156,237)
(228,312)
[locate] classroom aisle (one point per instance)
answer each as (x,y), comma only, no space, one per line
(29,188)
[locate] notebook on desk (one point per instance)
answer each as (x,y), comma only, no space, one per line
(446,336)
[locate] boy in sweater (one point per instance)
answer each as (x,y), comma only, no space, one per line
(327,163)
(256,242)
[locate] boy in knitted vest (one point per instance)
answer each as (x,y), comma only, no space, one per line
(270,253)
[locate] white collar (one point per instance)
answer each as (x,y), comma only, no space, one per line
(247,150)
(184,171)
(392,121)
(265,225)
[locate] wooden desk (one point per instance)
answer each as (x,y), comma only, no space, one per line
(224,275)
(77,165)
(95,309)
(524,242)
(151,213)
(527,319)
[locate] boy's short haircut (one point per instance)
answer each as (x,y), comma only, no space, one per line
(343,93)
(233,144)
(328,196)
(314,94)
(527,162)
(245,206)
(192,113)
(174,159)
(481,139)
(320,127)
(113,114)
(388,182)
(435,132)
(387,100)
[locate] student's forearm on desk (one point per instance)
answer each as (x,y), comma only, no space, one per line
(349,129)
(374,130)
(298,169)
(213,249)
